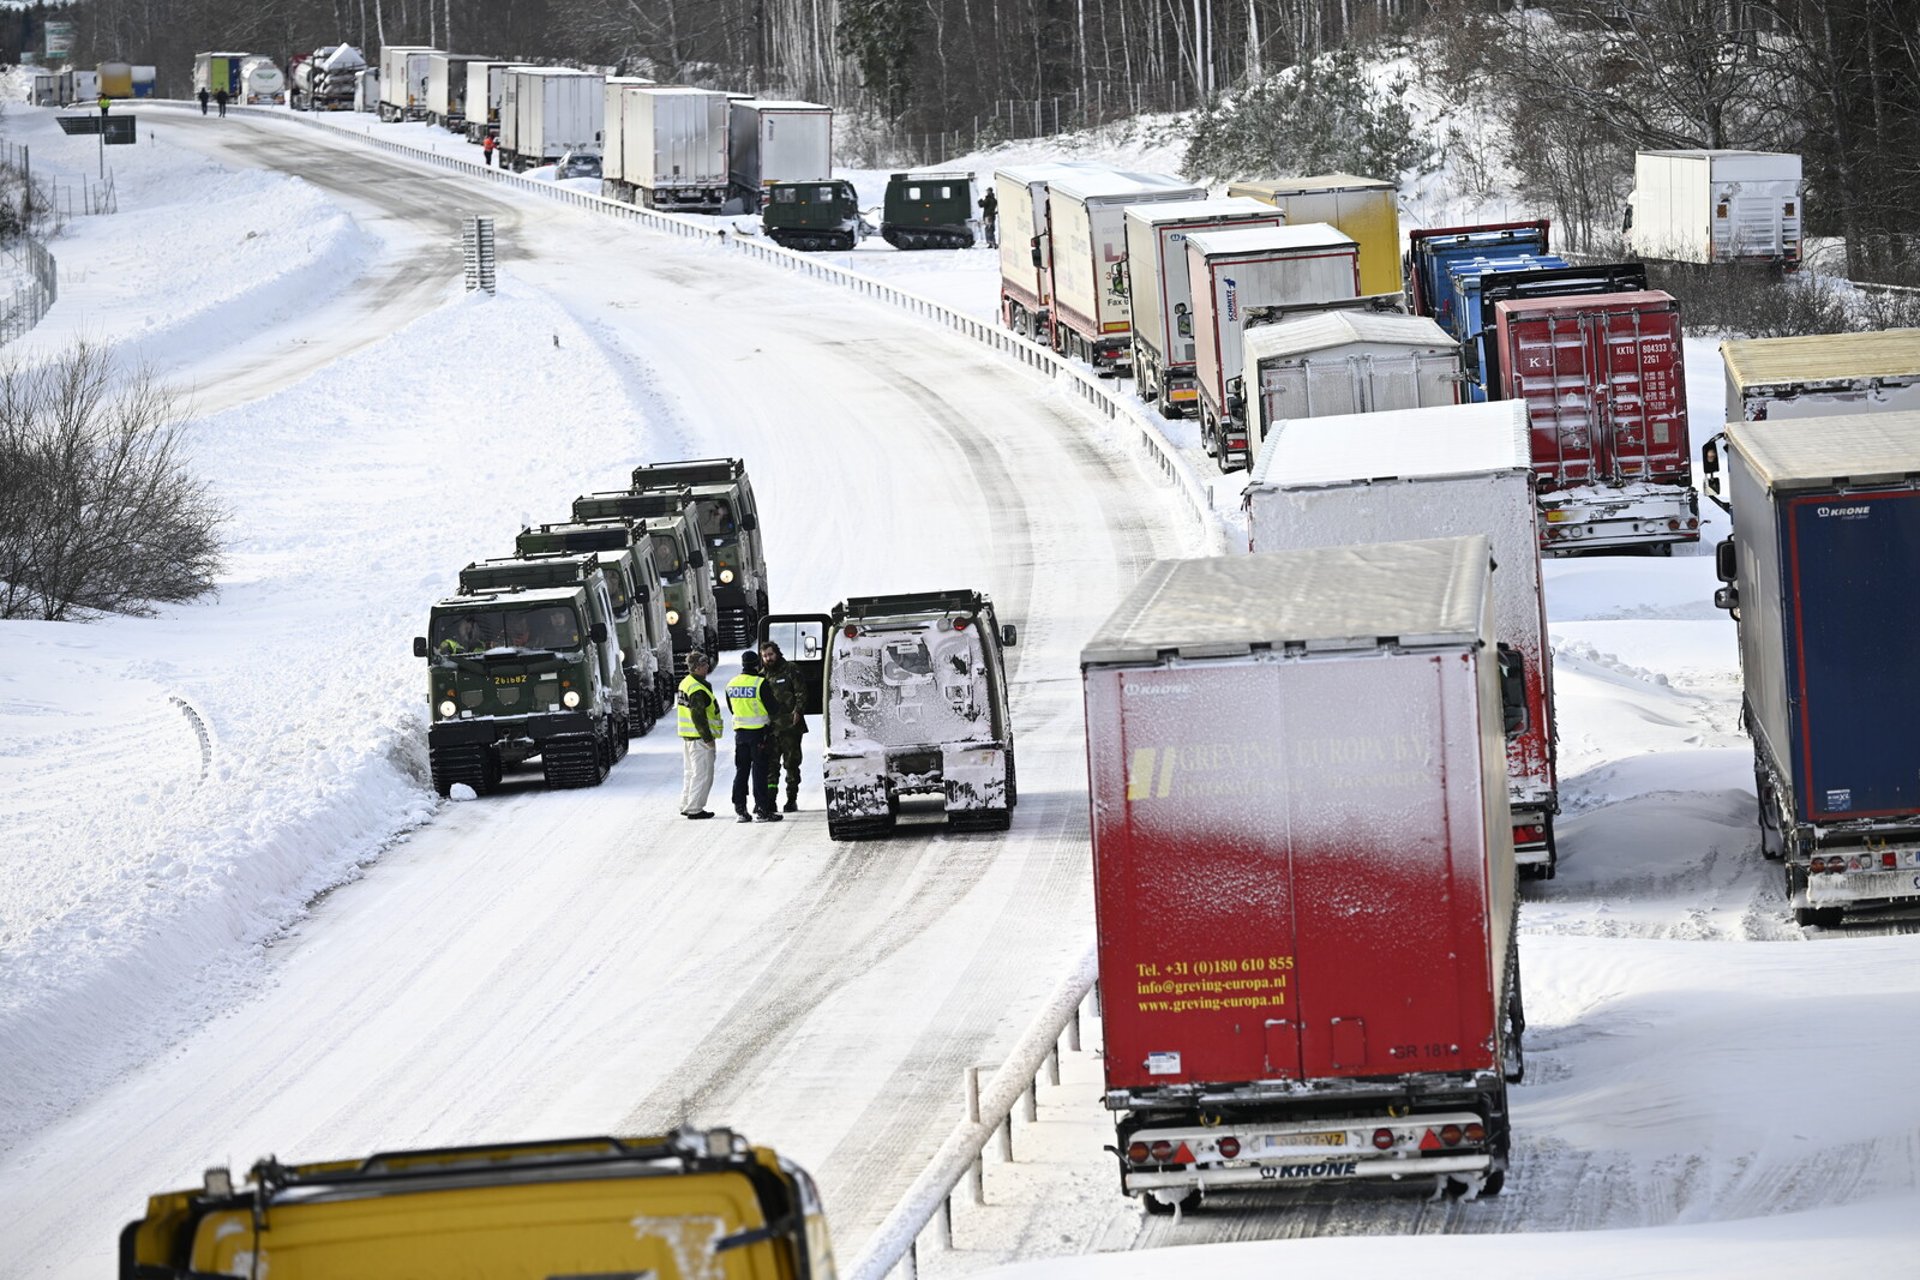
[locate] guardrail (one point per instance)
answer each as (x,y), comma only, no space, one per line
(37,291)
(1123,413)
(896,1242)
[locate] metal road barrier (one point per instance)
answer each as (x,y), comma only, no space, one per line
(1123,412)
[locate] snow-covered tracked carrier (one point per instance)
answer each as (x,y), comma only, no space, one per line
(1819,573)
(728,524)
(668,517)
(1303,871)
(913,691)
(627,555)
(686,1206)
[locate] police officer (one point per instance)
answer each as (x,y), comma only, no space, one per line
(752,744)
(700,731)
(786,693)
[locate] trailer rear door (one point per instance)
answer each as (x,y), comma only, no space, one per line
(1605,385)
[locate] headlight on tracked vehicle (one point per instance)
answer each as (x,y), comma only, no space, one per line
(726,575)
(673,617)
(447,708)
(571,698)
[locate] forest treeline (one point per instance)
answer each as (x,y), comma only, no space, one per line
(1584,83)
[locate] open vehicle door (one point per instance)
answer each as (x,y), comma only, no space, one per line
(802,638)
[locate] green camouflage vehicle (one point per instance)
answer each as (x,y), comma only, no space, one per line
(692,616)
(928,211)
(729,526)
(811,216)
(639,600)
(519,673)
(587,568)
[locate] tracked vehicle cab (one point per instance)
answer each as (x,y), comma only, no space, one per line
(627,555)
(811,216)
(727,523)
(928,211)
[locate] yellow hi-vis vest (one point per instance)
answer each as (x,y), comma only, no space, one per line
(683,705)
(744,701)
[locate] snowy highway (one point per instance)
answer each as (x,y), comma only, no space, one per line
(539,963)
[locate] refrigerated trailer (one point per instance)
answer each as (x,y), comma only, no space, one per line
(546,112)
(1245,277)
(1157,289)
(403,81)
(1304,886)
(1604,379)
(1716,206)
(1026,279)
(1819,573)
(771,141)
(1087,235)
(1367,209)
(673,148)
(1343,362)
(1435,473)
(447,84)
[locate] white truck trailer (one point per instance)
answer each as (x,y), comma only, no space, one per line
(1026,273)
(1255,276)
(1716,206)
(1157,287)
(1434,473)
(447,82)
(403,81)
(1086,227)
(673,148)
(1340,362)
(546,112)
(486,85)
(1822,375)
(772,141)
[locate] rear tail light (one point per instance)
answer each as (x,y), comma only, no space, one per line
(1229,1148)
(1475,1132)
(1527,835)
(1889,860)
(1673,525)
(1817,866)
(960,624)
(1692,522)
(1382,1139)
(1450,1134)
(1137,1152)
(1162,1151)
(852,632)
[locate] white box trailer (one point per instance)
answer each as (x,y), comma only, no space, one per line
(546,112)
(1339,362)
(1823,375)
(1157,287)
(1026,283)
(1091,317)
(403,81)
(772,141)
(1253,276)
(486,85)
(1716,206)
(447,87)
(366,90)
(673,148)
(86,87)
(1411,474)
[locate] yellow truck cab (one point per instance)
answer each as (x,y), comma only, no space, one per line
(694,1205)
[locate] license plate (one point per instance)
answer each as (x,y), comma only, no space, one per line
(1317,1140)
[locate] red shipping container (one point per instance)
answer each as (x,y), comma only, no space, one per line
(1604,378)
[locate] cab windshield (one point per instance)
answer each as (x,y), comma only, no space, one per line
(552,627)
(666,553)
(716,521)
(617,592)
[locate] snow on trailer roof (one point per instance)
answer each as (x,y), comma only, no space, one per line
(769,104)
(1326,329)
(1321,182)
(1817,453)
(1196,210)
(1110,184)
(1441,440)
(1329,598)
(1823,357)
(1046,170)
(1308,235)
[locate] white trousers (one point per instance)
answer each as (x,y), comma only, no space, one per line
(699,778)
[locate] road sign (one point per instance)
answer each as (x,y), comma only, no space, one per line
(122,131)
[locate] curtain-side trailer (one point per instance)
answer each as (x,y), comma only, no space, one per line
(1442,472)
(1158,291)
(1344,362)
(1819,573)
(1091,316)
(1253,276)
(1304,887)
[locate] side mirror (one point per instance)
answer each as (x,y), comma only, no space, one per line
(1513,690)
(419,646)
(1726,566)
(1712,483)
(1117,278)
(1008,636)
(599,632)
(697,559)
(1038,259)
(749,522)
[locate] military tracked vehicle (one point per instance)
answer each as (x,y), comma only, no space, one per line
(812,216)
(928,211)
(728,523)
(519,673)
(687,1205)
(626,553)
(693,618)
(913,691)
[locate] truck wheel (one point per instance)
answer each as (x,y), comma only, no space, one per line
(1159,1208)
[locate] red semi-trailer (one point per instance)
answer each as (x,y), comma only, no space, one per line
(1604,380)
(1303,871)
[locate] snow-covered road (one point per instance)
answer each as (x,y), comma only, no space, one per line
(546,963)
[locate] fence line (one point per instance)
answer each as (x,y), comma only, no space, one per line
(1125,414)
(36,293)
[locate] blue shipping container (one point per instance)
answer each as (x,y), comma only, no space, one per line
(1470,321)
(1429,254)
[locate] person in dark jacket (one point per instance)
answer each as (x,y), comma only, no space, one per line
(220,99)
(204,95)
(786,692)
(990,217)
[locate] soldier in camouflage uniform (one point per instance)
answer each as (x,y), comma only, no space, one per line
(786,695)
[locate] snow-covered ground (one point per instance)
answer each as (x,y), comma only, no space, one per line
(178,987)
